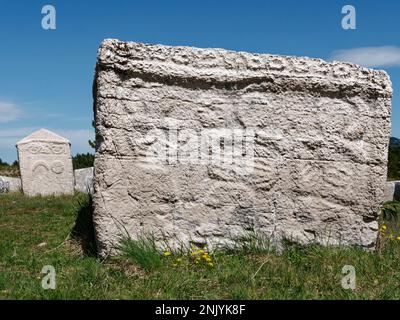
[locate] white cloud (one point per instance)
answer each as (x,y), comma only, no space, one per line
(78,138)
(9,112)
(16,132)
(371,57)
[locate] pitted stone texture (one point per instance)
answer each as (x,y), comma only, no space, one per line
(84,180)
(319,132)
(45,164)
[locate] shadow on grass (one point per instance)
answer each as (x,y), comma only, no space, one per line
(83,230)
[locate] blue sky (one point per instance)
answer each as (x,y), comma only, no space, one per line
(46,75)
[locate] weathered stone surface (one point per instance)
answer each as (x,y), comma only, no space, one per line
(4,185)
(392,191)
(389,191)
(84,180)
(303,143)
(10,184)
(45,164)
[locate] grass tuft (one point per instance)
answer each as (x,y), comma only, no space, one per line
(142,251)
(391,211)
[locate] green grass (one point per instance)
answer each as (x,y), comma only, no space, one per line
(40,231)
(142,252)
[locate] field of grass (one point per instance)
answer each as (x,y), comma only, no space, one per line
(40,231)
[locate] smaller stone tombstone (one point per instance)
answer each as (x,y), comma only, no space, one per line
(4,186)
(45,164)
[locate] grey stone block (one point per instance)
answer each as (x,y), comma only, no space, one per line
(389,191)
(10,184)
(4,186)
(45,164)
(392,191)
(84,180)
(203,145)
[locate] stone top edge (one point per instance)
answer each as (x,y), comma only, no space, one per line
(226,65)
(43,135)
(84,169)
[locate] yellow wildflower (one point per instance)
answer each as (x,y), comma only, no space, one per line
(167,253)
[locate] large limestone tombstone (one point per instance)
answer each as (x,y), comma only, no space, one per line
(304,152)
(45,164)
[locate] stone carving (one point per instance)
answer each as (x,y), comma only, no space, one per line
(4,186)
(315,169)
(57,167)
(84,180)
(42,148)
(45,164)
(10,184)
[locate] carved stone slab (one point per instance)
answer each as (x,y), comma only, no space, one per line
(203,145)
(84,180)
(45,164)
(9,184)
